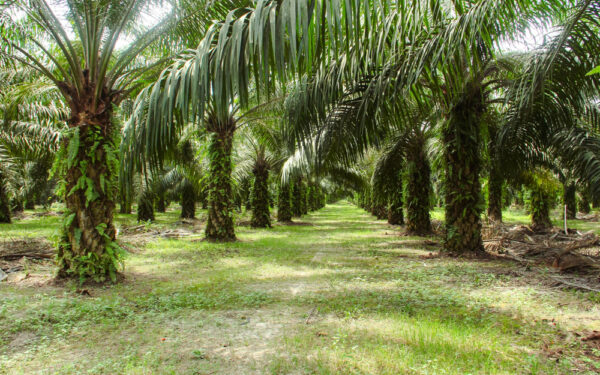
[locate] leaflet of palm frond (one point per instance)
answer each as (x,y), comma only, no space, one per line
(562,62)
(195,16)
(300,163)
(542,137)
(524,143)
(252,46)
(391,161)
(582,157)
(169,180)
(29,140)
(343,135)
(30,97)
(353,125)
(350,178)
(591,116)
(434,47)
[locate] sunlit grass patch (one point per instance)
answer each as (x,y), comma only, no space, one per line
(397,344)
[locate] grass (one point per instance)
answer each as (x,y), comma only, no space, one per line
(340,294)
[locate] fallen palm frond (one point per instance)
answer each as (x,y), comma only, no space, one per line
(571,252)
(14,249)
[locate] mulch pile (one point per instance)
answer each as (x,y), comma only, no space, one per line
(571,253)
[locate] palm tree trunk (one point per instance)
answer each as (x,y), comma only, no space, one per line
(247,198)
(296,204)
(219,226)
(540,210)
(284,204)
(316,197)
(309,197)
(188,201)
(323,199)
(124,198)
(38,174)
(16,205)
(494,210)
(396,204)
(368,200)
(125,206)
(570,199)
(204,198)
(418,193)
(380,211)
(380,203)
(161,205)
(4,202)
(584,203)
(304,197)
(88,247)
(495,181)
(261,217)
(145,209)
(463,190)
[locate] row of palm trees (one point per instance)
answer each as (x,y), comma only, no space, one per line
(351,76)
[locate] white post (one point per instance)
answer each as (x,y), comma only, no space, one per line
(566,229)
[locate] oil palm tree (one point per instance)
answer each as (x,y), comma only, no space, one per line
(93,76)
(263,152)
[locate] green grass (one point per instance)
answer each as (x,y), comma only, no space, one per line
(340,294)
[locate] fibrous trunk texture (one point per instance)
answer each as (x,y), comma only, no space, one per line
(540,210)
(304,197)
(379,203)
(584,203)
(494,210)
(284,203)
(418,192)
(495,181)
(125,206)
(219,226)
(145,209)
(297,198)
(124,199)
(161,205)
(396,204)
(317,194)
(366,200)
(463,190)
(188,201)
(380,211)
(314,197)
(570,199)
(40,190)
(4,202)
(261,216)
(88,247)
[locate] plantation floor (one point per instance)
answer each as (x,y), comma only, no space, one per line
(336,293)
